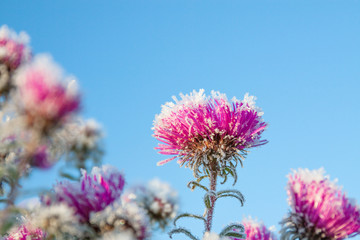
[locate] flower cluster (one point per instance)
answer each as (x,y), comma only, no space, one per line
(208,131)
(158,199)
(319,209)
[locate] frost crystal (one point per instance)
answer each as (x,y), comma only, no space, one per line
(319,209)
(93,193)
(214,236)
(208,131)
(122,217)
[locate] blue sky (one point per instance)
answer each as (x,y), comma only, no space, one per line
(299,57)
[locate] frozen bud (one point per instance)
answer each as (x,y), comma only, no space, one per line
(122,216)
(158,199)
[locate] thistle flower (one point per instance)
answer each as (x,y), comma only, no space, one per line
(93,193)
(158,199)
(42,158)
(43,96)
(319,209)
(59,221)
(122,217)
(208,131)
(13,48)
(25,232)
(256,231)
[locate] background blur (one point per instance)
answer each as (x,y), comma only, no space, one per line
(300,58)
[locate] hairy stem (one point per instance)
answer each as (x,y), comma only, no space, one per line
(210,212)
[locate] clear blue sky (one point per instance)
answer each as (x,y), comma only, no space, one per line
(301,58)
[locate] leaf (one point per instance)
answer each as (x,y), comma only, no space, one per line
(234,196)
(196,184)
(231,227)
(236,235)
(188,215)
(184,231)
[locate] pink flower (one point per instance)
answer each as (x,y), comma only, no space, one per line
(43,94)
(256,231)
(93,193)
(25,232)
(319,209)
(198,129)
(13,48)
(41,158)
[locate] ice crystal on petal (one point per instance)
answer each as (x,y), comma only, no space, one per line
(256,231)
(158,199)
(14,48)
(122,216)
(319,209)
(25,232)
(214,236)
(93,193)
(43,95)
(208,131)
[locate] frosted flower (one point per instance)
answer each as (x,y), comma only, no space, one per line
(214,236)
(25,232)
(319,209)
(256,231)
(208,131)
(158,199)
(14,48)
(117,235)
(42,158)
(58,221)
(122,216)
(43,95)
(93,193)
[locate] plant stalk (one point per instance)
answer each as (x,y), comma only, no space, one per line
(210,212)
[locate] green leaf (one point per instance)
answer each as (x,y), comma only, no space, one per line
(188,215)
(231,227)
(192,185)
(236,235)
(184,231)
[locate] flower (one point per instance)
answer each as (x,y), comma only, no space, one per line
(58,220)
(25,232)
(208,131)
(42,158)
(121,216)
(256,231)
(43,96)
(158,199)
(93,193)
(13,48)
(319,209)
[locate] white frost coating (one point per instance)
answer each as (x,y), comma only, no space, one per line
(57,220)
(193,99)
(318,175)
(117,235)
(6,32)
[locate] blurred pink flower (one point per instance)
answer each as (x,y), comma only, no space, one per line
(198,127)
(13,48)
(43,94)
(25,233)
(93,193)
(41,158)
(319,209)
(256,231)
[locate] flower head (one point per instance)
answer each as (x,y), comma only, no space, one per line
(43,96)
(13,48)
(256,231)
(25,232)
(158,199)
(319,209)
(122,217)
(93,193)
(208,131)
